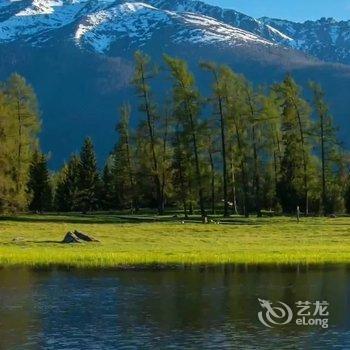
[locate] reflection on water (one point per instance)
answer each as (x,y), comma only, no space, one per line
(191,309)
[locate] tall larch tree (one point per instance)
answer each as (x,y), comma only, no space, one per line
(219,108)
(144,71)
(187,107)
(294,184)
(329,147)
(23,132)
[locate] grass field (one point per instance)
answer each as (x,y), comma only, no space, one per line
(147,241)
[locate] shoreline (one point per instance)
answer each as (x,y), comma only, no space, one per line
(220,267)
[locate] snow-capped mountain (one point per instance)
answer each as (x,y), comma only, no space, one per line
(97,24)
(78,55)
(231,17)
(139,21)
(326,38)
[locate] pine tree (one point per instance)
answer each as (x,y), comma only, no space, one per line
(89,182)
(39,186)
(122,168)
(108,194)
(67,189)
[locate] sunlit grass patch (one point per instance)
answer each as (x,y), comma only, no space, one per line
(35,241)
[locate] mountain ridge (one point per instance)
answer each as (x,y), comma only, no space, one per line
(78,55)
(34,20)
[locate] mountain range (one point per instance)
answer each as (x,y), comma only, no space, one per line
(78,56)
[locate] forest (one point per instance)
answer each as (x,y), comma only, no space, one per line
(242,150)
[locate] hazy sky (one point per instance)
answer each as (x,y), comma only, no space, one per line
(297,10)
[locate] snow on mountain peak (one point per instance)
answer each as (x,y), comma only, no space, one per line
(39,17)
(134,20)
(97,24)
(139,21)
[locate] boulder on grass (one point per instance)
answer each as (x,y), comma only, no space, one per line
(71,237)
(85,237)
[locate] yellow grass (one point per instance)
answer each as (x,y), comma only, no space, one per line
(145,242)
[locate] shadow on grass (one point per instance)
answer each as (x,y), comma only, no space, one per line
(65,218)
(89,219)
(44,242)
(142,218)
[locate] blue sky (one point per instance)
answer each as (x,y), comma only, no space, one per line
(297,10)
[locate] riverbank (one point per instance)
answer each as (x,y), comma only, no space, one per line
(147,241)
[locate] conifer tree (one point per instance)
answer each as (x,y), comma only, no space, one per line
(39,186)
(181,169)
(67,189)
(108,195)
(19,129)
(329,147)
(254,119)
(89,182)
(219,102)
(122,167)
(271,113)
(187,107)
(236,110)
(7,149)
(294,184)
(143,73)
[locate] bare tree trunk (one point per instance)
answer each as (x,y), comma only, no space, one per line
(165,139)
(243,171)
(324,193)
(198,172)
(257,175)
(182,179)
(131,174)
(234,195)
(223,145)
(19,150)
(152,140)
(302,138)
(212,182)
(256,160)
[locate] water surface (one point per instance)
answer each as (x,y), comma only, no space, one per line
(189,309)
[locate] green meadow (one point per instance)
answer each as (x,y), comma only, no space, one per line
(151,241)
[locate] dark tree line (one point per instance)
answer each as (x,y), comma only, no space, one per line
(240,150)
